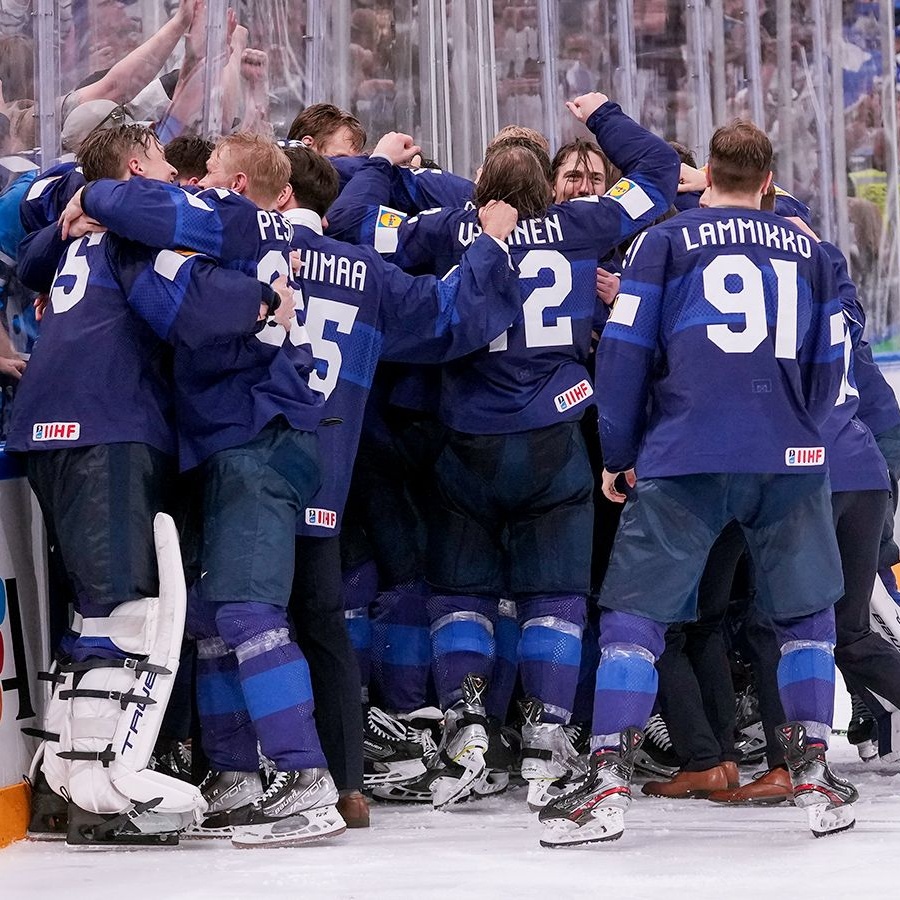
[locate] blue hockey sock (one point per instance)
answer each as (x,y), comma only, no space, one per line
(626,677)
(806,671)
(401,646)
(550,651)
(274,678)
(503,679)
(227,732)
(358,589)
(462,641)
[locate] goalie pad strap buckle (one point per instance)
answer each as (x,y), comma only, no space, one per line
(130,662)
(124,697)
(104,756)
(43,735)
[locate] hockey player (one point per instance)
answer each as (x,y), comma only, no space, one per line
(382,313)
(515,462)
(722,359)
(94,415)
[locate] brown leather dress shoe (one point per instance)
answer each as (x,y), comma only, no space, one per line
(687,785)
(771,787)
(732,775)
(354,808)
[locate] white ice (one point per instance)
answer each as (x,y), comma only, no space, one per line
(686,849)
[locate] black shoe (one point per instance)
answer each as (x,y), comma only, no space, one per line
(49,812)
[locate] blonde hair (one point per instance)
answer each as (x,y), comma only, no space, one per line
(262,161)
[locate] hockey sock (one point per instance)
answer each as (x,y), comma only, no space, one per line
(806,671)
(503,681)
(550,651)
(401,646)
(275,681)
(583,707)
(462,641)
(229,739)
(626,677)
(358,589)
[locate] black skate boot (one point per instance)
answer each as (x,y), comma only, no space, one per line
(862,731)
(499,760)
(593,810)
(297,807)
(825,797)
(172,757)
(656,756)
(230,797)
(460,759)
(49,812)
(389,756)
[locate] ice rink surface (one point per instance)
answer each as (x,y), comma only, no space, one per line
(686,849)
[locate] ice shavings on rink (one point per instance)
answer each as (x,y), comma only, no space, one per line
(690,848)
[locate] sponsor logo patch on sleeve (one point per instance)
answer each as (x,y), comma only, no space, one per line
(387,222)
(324,518)
(631,197)
(56,431)
(574,395)
(804,456)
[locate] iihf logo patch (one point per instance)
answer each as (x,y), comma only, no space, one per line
(573,396)
(323,518)
(804,456)
(56,431)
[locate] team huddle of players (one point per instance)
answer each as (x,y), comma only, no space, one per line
(390,416)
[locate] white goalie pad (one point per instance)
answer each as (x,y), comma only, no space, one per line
(884,620)
(108,713)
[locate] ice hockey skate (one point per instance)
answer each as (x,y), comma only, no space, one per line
(656,756)
(550,763)
(862,731)
(297,808)
(825,797)
(593,810)
(230,797)
(460,759)
(389,756)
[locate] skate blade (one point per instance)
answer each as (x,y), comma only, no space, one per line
(540,793)
(867,751)
(447,789)
(401,793)
(294,831)
(490,784)
(396,773)
(824,821)
(199,833)
(606,824)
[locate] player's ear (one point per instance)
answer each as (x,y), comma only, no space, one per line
(134,167)
(706,173)
(308,141)
(284,197)
(239,182)
(767,184)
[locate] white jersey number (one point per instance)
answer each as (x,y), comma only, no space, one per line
(71,280)
(342,315)
(749,301)
(550,296)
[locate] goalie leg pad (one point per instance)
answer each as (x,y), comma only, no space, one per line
(114,706)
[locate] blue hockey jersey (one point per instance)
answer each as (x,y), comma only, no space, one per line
(230,390)
(360,309)
(48,195)
(729,323)
(854,461)
(535,374)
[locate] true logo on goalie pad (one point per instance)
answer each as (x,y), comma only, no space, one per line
(56,431)
(804,456)
(573,396)
(324,518)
